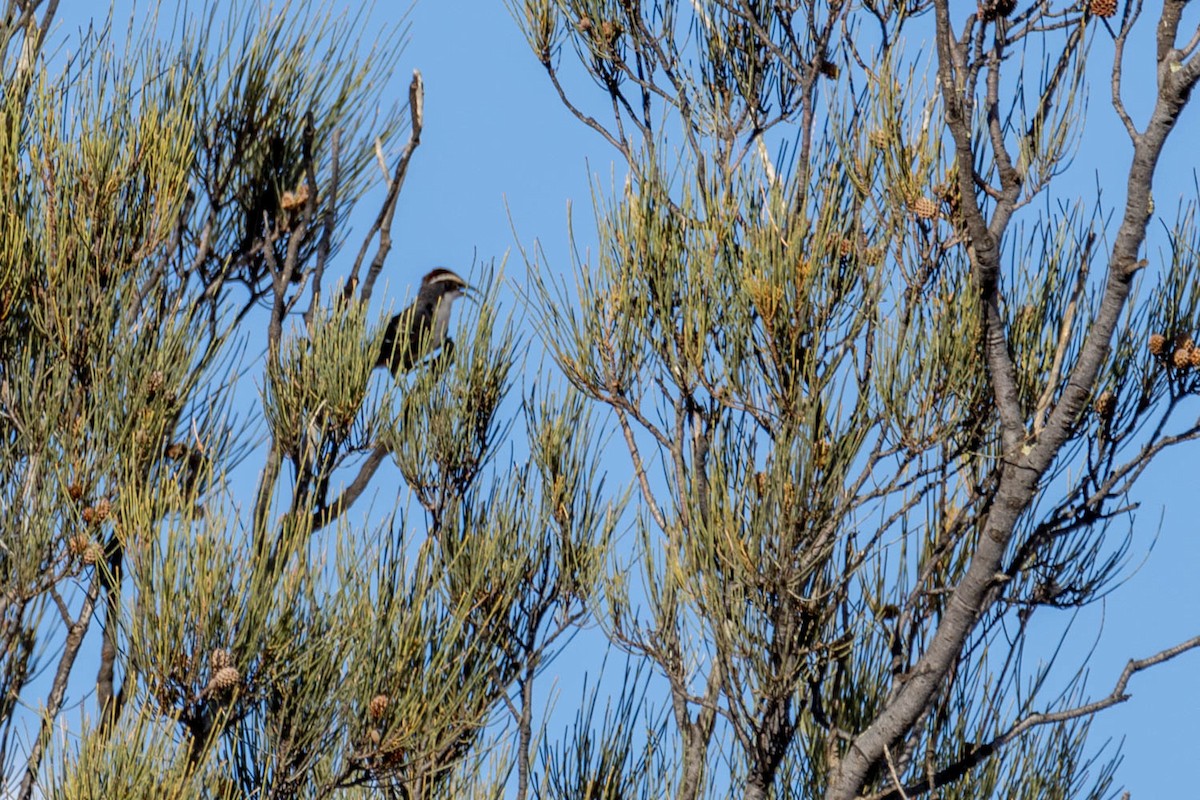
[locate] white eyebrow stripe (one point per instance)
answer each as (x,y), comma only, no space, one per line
(445,277)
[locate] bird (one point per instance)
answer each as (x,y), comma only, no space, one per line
(421,328)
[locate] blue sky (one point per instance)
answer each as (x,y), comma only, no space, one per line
(500,153)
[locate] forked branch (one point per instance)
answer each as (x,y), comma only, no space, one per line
(979,753)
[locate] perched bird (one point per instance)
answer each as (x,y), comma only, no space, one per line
(421,328)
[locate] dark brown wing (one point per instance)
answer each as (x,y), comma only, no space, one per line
(400,350)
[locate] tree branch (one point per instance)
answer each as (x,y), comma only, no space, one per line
(383,222)
(58,689)
(981,753)
(351,493)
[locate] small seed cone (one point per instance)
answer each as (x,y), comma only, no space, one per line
(925,208)
(1103,8)
(1157,344)
(219,660)
(610,30)
(93,553)
(294,200)
(223,680)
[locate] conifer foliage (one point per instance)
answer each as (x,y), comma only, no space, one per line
(875,407)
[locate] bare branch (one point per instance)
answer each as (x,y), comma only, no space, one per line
(330,219)
(58,690)
(383,222)
(351,493)
(981,752)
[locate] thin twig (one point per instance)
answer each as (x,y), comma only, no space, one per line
(1064,339)
(328,223)
(383,222)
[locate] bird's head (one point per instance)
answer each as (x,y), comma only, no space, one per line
(443,283)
